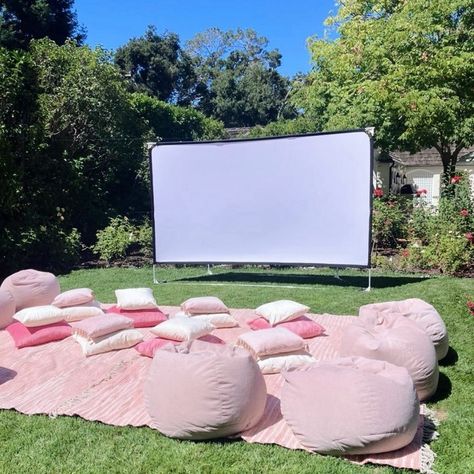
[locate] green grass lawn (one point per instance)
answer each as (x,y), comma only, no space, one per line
(38,444)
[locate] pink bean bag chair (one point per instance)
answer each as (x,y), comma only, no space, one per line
(7,308)
(422,314)
(398,340)
(32,288)
(204,391)
(351,406)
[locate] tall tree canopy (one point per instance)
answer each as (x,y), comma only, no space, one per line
(24,20)
(243,86)
(405,67)
(157,65)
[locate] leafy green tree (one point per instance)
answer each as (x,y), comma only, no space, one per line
(24,20)
(405,67)
(157,65)
(243,85)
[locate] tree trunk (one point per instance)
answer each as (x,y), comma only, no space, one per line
(449,160)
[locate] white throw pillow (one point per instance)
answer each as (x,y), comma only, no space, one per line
(111,342)
(274,364)
(182,329)
(136,298)
(82,311)
(218,320)
(39,315)
(282,310)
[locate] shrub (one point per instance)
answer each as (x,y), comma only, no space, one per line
(389,221)
(115,240)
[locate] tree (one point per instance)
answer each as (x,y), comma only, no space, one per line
(243,86)
(24,20)
(157,65)
(405,67)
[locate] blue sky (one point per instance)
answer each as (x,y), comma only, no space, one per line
(287,24)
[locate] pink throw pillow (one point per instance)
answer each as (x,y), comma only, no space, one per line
(148,348)
(74,297)
(204,305)
(25,337)
(142,318)
(98,326)
(302,326)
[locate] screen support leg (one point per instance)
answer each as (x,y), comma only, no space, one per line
(370,280)
(336,275)
(155,281)
(209,271)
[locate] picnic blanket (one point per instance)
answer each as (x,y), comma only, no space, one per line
(56,379)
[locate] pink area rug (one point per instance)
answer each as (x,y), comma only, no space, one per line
(56,379)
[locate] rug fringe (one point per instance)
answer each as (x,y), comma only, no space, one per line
(430,433)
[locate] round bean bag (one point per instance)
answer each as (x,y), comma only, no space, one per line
(351,406)
(421,313)
(32,288)
(203,392)
(398,340)
(7,308)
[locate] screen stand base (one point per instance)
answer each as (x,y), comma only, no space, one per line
(336,275)
(155,281)
(209,271)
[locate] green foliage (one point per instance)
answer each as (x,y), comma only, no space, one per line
(122,236)
(298,125)
(389,220)
(174,123)
(158,66)
(243,86)
(24,20)
(406,68)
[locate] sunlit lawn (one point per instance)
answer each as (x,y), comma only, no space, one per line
(38,444)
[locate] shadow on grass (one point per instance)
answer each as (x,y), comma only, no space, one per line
(444,389)
(450,359)
(292,279)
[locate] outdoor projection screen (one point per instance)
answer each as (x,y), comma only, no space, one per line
(303,199)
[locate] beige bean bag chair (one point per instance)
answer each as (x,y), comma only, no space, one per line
(421,313)
(398,340)
(7,308)
(31,288)
(206,391)
(351,406)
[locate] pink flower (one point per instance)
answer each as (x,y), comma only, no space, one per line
(469,236)
(464,212)
(470,306)
(421,191)
(405,253)
(455,179)
(378,192)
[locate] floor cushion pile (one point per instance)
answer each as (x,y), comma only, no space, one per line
(351,406)
(397,340)
(422,313)
(202,391)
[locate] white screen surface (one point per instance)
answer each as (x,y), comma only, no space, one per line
(294,200)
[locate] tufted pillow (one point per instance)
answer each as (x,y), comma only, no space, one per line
(32,288)
(394,339)
(422,313)
(99,326)
(204,391)
(204,305)
(351,406)
(74,297)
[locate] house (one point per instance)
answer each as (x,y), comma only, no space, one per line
(422,170)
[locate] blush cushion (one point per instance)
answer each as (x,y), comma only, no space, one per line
(204,391)
(142,318)
(82,311)
(204,305)
(270,341)
(99,326)
(24,336)
(74,297)
(422,313)
(182,329)
(32,288)
(397,340)
(7,308)
(302,326)
(351,406)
